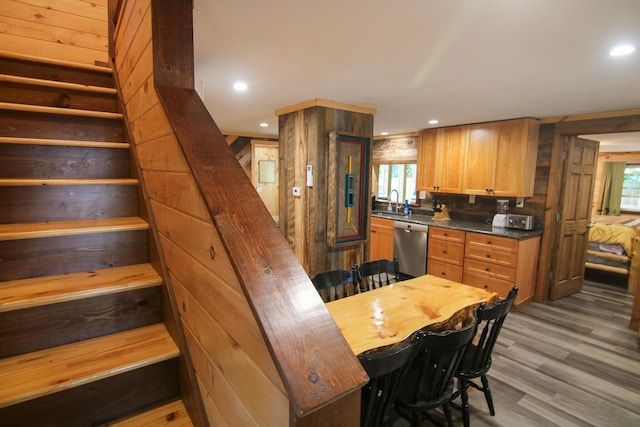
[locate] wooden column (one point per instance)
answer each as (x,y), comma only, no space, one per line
(304,140)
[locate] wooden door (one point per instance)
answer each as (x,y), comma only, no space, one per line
(579,170)
(265,167)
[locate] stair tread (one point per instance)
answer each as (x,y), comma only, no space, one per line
(56,84)
(29,182)
(63,142)
(38,291)
(62,63)
(58,110)
(172,414)
(70,228)
(32,375)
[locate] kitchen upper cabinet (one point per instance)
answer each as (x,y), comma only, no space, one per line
(500,158)
(488,159)
(440,159)
(381,243)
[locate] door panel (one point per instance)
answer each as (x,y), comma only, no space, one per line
(265,167)
(578,179)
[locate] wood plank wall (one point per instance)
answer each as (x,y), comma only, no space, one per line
(304,139)
(65,30)
(238,379)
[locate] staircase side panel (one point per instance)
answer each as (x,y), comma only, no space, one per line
(232,362)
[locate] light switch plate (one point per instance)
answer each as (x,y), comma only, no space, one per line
(519,202)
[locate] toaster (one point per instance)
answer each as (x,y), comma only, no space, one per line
(520,222)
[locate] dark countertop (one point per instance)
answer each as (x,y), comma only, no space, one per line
(477,227)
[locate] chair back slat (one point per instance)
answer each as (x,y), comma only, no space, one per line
(335,284)
(375,274)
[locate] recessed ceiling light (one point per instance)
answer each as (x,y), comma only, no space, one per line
(264,125)
(384,133)
(433,122)
(622,50)
(240,86)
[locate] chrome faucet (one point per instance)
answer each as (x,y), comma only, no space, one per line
(397,200)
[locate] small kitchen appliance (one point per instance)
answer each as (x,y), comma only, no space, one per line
(500,218)
(520,222)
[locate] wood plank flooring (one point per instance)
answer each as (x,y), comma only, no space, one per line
(571,362)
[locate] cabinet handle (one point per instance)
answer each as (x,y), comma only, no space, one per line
(373,231)
(488,242)
(444,252)
(487,269)
(486,286)
(443,273)
(488,255)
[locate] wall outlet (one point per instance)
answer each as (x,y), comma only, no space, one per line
(472,198)
(519,202)
(296,191)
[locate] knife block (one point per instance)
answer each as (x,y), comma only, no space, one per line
(443,215)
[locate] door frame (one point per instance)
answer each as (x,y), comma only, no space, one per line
(613,122)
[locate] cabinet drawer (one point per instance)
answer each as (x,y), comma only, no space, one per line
(442,269)
(499,286)
(446,251)
(487,254)
(446,234)
(382,222)
(489,269)
(496,242)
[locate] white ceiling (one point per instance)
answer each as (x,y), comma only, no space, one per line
(462,61)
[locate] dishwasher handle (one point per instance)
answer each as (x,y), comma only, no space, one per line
(410,227)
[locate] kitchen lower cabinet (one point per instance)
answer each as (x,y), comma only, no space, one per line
(445,253)
(498,263)
(381,241)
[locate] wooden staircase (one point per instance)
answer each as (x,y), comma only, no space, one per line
(82,339)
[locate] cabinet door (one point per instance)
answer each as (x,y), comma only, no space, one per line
(452,145)
(381,244)
(427,146)
(480,161)
(440,159)
(517,151)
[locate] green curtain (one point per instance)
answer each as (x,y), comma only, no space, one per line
(612,178)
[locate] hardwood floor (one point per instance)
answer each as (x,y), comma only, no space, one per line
(571,362)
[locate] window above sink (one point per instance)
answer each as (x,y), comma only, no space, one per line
(396,176)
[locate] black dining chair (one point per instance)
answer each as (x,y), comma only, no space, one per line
(375,274)
(428,383)
(386,370)
(477,359)
(335,284)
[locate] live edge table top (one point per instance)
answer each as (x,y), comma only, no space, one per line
(390,314)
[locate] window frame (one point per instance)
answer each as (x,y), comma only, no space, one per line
(413,200)
(628,208)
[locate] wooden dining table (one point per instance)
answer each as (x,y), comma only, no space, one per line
(391,314)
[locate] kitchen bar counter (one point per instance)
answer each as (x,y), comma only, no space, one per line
(477,227)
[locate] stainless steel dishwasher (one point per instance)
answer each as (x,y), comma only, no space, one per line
(410,247)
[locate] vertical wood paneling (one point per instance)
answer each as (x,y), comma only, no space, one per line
(304,139)
(236,373)
(65,30)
